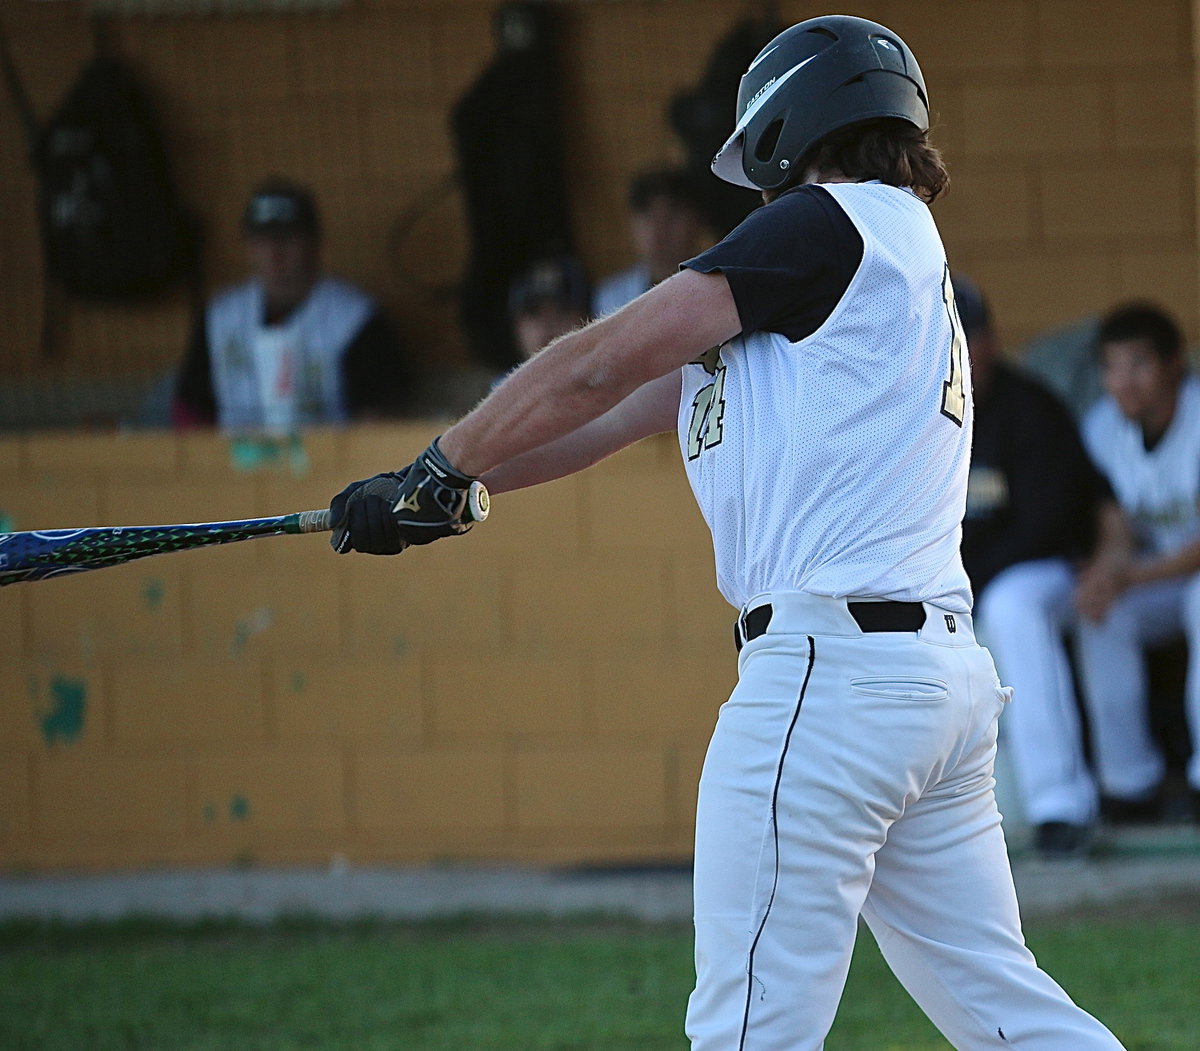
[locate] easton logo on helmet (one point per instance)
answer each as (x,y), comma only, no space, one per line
(761,92)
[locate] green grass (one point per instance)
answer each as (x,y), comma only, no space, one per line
(511,985)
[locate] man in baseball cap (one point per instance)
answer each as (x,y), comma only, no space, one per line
(547,300)
(283,240)
(292,346)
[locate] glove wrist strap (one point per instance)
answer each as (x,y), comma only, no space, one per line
(442,469)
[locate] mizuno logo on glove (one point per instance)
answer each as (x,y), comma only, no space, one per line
(412,502)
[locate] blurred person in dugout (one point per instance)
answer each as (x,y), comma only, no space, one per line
(546,301)
(666,227)
(1144,434)
(1034,505)
(292,346)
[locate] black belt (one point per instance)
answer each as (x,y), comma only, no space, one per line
(870,616)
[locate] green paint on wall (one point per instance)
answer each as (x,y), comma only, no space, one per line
(152,593)
(254,454)
(298,682)
(239,808)
(7,522)
(210,813)
(249,626)
(65,719)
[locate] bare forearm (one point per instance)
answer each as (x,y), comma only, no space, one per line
(651,409)
(1117,545)
(1181,563)
(1115,540)
(586,373)
(1116,566)
(548,398)
(557,459)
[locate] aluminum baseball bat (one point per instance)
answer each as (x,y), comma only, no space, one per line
(41,553)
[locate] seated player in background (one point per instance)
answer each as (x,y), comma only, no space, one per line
(548,300)
(1034,501)
(666,227)
(292,345)
(1144,434)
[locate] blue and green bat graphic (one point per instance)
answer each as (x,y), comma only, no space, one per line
(41,553)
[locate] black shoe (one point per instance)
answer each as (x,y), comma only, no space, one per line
(1118,811)
(1061,840)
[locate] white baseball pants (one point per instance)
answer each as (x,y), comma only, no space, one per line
(1022,616)
(850,774)
(1129,762)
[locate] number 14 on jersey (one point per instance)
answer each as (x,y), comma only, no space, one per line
(705,429)
(954,389)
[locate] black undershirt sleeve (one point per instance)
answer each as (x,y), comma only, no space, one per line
(374,374)
(789,263)
(194,386)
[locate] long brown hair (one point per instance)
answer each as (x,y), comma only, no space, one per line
(890,150)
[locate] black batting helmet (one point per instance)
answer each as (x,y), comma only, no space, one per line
(821,75)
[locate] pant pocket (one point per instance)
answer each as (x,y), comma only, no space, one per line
(901,689)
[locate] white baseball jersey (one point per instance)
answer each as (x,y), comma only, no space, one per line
(837,464)
(621,288)
(319,331)
(1158,488)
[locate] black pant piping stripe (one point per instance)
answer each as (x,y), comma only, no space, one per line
(787,740)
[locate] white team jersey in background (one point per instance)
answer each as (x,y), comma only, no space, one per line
(318,332)
(1159,489)
(838,465)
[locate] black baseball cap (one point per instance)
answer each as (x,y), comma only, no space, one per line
(673,184)
(561,279)
(279,206)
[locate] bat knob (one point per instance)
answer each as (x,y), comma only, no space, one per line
(479,503)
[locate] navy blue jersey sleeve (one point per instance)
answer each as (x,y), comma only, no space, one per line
(789,263)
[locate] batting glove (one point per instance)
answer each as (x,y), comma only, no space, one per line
(424,502)
(362,516)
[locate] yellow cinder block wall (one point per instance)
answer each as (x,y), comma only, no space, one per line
(538,691)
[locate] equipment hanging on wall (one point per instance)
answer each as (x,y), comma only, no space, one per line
(509,142)
(112,227)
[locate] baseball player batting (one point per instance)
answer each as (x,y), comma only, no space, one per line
(813,366)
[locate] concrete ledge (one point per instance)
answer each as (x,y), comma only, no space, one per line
(410,894)
(341,893)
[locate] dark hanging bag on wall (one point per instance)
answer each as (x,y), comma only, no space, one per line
(110,222)
(509,140)
(112,227)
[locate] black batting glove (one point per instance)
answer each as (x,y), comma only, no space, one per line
(426,501)
(362,516)
(433,499)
